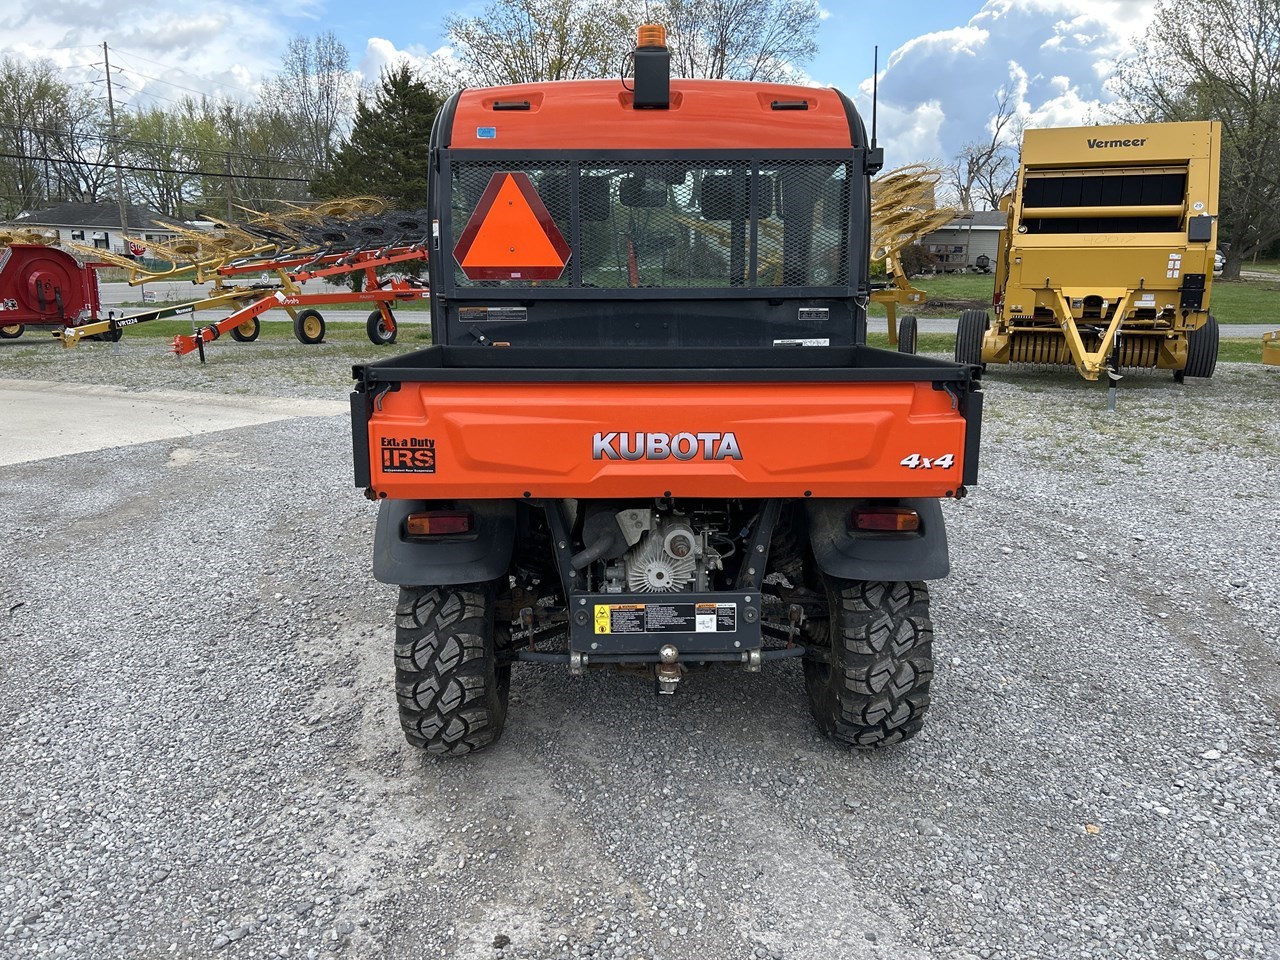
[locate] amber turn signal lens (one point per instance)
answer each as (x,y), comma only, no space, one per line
(438,523)
(891,519)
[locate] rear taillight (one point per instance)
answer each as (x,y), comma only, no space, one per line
(884,519)
(438,523)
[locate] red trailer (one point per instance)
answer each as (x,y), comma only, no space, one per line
(45,287)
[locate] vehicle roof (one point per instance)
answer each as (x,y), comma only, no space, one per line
(598,115)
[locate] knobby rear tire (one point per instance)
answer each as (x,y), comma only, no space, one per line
(874,692)
(451,693)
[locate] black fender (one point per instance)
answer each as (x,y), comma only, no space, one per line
(483,554)
(858,555)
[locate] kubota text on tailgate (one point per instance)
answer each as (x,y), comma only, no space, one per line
(665,446)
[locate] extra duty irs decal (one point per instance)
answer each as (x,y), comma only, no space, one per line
(665,446)
(408,455)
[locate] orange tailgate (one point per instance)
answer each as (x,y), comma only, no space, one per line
(552,440)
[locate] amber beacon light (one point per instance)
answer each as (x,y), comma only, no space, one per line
(653,68)
(651,35)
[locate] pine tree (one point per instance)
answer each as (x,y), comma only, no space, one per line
(387,152)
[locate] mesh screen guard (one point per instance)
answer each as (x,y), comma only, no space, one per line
(688,223)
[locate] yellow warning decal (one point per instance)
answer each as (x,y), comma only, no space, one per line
(620,617)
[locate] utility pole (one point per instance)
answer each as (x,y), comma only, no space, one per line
(115,149)
(228,183)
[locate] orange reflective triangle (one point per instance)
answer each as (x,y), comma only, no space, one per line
(511,235)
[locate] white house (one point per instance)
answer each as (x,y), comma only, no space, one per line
(98,225)
(959,244)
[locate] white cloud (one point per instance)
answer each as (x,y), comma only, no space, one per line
(916,131)
(436,66)
(939,89)
(164,53)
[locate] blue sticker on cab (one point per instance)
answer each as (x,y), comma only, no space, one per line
(486,133)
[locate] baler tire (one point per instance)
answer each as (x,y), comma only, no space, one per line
(1202,350)
(873,689)
(12,332)
(246,332)
(377,331)
(969,333)
(308,327)
(450,690)
(907,328)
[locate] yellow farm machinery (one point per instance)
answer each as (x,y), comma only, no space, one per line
(1271,348)
(1107,262)
(902,211)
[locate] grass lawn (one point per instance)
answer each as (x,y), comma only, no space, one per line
(1234,301)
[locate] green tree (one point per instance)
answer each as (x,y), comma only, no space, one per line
(1218,60)
(387,152)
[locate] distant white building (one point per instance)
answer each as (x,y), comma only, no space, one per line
(98,225)
(969,242)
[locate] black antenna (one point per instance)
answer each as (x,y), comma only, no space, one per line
(875,83)
(875,156)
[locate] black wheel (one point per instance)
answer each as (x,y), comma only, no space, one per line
(1202,351)
(377,330)
(11,332)
(308,326)
(907,334)
(248,331)
(969,333)
(451,692)
(874,691)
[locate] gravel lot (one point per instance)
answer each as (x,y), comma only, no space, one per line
(201,757)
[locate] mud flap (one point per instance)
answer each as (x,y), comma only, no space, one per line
(854,555)
(482,555)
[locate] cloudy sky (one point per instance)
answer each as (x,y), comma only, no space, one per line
(941,61)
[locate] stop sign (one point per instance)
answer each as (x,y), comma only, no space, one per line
(136,248)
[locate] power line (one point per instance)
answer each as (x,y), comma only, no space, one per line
(131,72)
(138,56)
(141,169)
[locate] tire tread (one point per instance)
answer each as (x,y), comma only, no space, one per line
(875,691)
(451,696)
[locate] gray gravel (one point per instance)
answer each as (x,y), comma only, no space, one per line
(200,756)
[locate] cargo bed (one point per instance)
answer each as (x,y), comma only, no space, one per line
(494,422)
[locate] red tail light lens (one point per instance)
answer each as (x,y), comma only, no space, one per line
(885,519)
(438,523)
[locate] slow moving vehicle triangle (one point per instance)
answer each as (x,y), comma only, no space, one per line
(511,235)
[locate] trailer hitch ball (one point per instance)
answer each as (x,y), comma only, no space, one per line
(668,653)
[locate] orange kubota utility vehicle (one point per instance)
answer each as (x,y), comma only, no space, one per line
(650,435)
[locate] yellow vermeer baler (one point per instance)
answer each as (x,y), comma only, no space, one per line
(1108,260)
